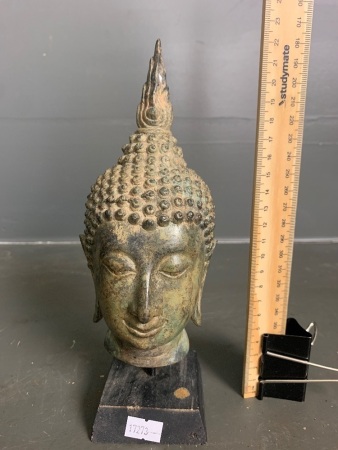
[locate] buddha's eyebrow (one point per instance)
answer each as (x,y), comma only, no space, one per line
(111,252)
(165,250)
(184,256)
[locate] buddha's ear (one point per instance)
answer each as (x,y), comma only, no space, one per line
(97,311)
(83,243)
(85,251)
(196,316)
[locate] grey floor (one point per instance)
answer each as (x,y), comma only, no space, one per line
(53,364)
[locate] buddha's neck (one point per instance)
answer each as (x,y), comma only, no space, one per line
(167,354)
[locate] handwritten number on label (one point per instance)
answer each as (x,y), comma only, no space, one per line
(149,430)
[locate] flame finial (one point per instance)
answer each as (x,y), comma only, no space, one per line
(155,109)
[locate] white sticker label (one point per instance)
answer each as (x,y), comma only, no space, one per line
(149,430)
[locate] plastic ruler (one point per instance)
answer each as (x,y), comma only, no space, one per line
(285,50)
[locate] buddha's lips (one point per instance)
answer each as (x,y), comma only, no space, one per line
(144,329)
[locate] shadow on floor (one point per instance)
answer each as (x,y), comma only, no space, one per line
(223,357)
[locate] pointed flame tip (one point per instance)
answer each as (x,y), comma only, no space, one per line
(158,48)
(155,109)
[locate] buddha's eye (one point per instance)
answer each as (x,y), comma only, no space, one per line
(119,265)
(174,266)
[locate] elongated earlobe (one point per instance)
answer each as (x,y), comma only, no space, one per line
(196,316)
(97,312)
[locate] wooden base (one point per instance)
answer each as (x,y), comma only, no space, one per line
(172,395)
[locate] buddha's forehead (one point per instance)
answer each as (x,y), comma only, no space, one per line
(139,242)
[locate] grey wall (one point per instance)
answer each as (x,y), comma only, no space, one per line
(71,73)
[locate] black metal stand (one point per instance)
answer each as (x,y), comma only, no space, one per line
(171,395)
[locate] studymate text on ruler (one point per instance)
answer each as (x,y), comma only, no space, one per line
(285,49)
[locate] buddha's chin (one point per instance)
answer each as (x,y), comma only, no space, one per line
(151,340)
(142,333)
(148,351)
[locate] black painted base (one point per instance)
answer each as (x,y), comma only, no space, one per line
(172,395)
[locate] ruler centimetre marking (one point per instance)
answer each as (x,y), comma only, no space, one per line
(285,50)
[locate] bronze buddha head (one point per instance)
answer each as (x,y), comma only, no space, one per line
(149,237)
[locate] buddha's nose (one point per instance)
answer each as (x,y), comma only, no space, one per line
(143,306)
